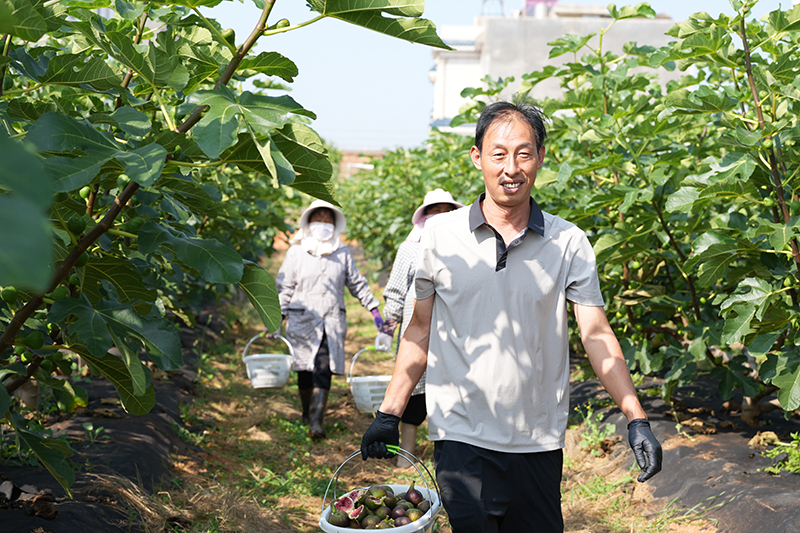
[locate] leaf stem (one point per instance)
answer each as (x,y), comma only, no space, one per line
(211,164)
(121,233)
(214,30)
(293,27)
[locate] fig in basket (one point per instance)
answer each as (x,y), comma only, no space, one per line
(352,504)
(413,495)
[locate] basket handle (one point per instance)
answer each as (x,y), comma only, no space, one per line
(353,361)
(264,334)
(405,454)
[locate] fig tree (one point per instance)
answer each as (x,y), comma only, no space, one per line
(9,294)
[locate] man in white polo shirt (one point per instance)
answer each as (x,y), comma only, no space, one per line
(490,324)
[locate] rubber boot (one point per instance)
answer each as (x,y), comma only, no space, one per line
(319,398)
(408,440)
(305,401)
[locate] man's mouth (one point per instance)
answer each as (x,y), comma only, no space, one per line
(511,187)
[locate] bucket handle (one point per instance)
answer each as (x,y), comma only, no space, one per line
(405,454)
(353,361)
(264,334)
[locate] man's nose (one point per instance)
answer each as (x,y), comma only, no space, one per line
(510,166)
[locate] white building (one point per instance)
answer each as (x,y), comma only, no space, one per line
(505,46)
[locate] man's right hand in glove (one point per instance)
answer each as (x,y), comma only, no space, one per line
(383,430)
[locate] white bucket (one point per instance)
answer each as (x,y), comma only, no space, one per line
(268,370)
(368,391)
(426,521)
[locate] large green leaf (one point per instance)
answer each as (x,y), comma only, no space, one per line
(271,64)
(403,22)
(139,380)
(247,157)
(21,172)
(627,12)
(132,121)
(25,246)
(22,19)
(217,130)
(93,327)
(143,165)
(788,379)
(115,370)
(305,151)
(51,453)
(259,287)
(75,70)
(54,132)
(123,276)
(5,401)
(748,302)
(216,262)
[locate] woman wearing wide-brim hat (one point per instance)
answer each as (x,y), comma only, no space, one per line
(399,296)
(310,284)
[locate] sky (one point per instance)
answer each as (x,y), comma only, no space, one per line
(371,91)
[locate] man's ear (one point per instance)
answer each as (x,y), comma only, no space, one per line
(541,157)
(475,154)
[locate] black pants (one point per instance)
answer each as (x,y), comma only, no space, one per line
(485,491)
(320,378)
(416,411)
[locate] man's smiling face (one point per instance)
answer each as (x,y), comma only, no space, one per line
(509,161)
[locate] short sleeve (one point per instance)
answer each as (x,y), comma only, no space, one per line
(424,286)
(582,283)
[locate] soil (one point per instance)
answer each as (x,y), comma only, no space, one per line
(708,465)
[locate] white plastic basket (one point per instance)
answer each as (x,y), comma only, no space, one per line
(268,370)
(424,524)
(368,391)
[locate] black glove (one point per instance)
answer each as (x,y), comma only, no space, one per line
(645,448)
(383,430)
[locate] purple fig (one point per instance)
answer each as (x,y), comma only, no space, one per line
(413,495)
(354,524)
(405,504)
(398,511)
(424,506)
(402,521)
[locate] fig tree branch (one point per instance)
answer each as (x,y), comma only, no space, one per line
(230,70)
(16,323)
(6,46)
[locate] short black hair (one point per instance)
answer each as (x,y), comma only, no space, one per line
(523,108)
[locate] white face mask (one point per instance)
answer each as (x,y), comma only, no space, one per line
(321,230)
(425,219)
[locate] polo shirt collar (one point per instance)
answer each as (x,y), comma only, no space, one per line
(476,218)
